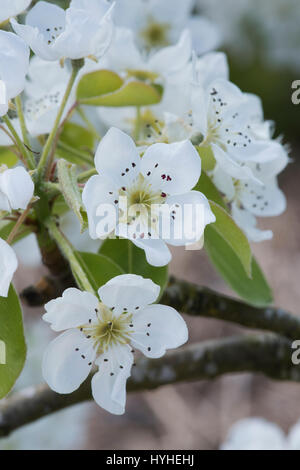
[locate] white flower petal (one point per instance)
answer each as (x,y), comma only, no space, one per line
(158,328)
(100,196)
(117,157)
(247,222)
(205,35)
(68,361)
(172,168)
(173,58)
(11,8)
(263,201)
(8,266)
(109,383)
(187,216)
(39,31)
(14,62)
(230,166)
(156,251)
(73,309)
(128,293)
(212,66)
(17,186)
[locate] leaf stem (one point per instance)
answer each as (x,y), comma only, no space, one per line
(44,157)
(27,157)
(68,251)
(16,228)
(86,175)
(24,130)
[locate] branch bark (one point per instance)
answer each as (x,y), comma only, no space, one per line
(264,353)
(203,302)
(196,301)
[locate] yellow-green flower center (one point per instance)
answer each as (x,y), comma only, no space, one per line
(108,330)
(155,34)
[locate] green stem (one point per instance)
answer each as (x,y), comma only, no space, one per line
(44,157)
(69,252)
(130,267)
(89,124)
(86,175)
(24,130)
(137,130)
(27,157)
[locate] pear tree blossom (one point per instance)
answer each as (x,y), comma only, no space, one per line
(84,29)
(14,62)
(10,8)
(120,137)
(16,189)
(106,333)
(166,174)
(156,24)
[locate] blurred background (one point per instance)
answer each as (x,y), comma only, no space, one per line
(262,40)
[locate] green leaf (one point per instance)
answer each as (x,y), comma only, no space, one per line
(7,157)
(233,235)
(67,177)
(98,268)
(207,187)
(77,136)
(207,158)
(133,93)
(125,253)
(12,340)
(256,290)
(98,83)
(76,144)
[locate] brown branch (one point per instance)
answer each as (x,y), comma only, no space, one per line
(201,301)
(265,353)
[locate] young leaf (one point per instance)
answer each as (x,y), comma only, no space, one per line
(133,93)
(132,259)
(67,178)
(76,144)
(98,83)
(256,290)
(207,187)
(7,157)
(12,342)
(98,268)
(207,158)
(233,235)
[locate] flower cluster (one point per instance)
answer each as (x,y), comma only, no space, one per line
(148,81)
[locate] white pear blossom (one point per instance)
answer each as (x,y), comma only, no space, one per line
(159,23)
(156,188)
(169,121)
(104,334)
(125,58)
(259,195)
(43,93)
(8,266)
(84,29)
(16,188)
(11,8)
(14,62)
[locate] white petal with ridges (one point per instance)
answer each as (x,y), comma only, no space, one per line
(68,361)
(158,328)
(172,168)
(117,157)
(128,293)
(109,383)
(75,308)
